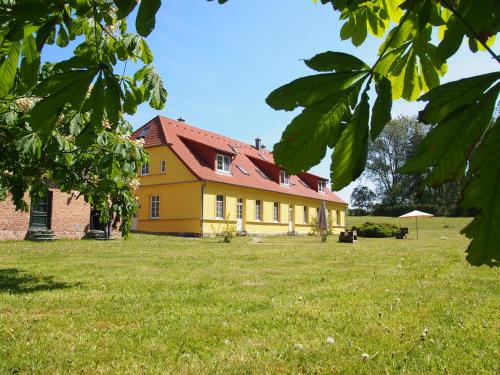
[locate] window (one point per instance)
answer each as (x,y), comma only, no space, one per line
(338,218)
(306,214)
(144,133)
(262,174)
(317,212)
(163,166)
(234,148)
(223,162)
(155,207)
(276,212)
(258,210)
(145,169)
(321,186)
(242,169)
(219,207)
(284,178)
(239,208)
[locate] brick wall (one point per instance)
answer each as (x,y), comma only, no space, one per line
(13,224)
(70,216)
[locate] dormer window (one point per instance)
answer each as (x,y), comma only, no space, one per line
(284,178)
(321,186)
(222,163)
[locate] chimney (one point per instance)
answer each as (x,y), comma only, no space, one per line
(180,119)
(258,144)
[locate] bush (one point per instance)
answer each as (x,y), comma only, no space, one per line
(376,230)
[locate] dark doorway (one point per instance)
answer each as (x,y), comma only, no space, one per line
(95,220)
(40,212)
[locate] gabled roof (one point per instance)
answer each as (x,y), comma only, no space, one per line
(184,139)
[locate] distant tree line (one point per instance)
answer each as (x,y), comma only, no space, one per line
(396,193)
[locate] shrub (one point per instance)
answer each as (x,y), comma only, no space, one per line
(376,230)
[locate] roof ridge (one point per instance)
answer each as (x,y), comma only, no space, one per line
(210,132)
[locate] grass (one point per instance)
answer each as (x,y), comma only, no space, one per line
(185,306)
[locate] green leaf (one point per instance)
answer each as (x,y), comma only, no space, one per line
(8,68)
(331,61)
(152,86)
(58,90)
(62,37)
(350,153)
(145,21)
(304,142)
(125,7)
(112,99)
(30,145)
(381,112)
(446,148)
(146,54)
(448,97)
(482,192)
(30,62)
(307,90)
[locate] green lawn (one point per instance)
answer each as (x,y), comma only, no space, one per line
(187,306)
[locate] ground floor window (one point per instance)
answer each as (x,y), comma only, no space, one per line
(338,218)
(239,208)
(219,207)
(276,211)
(258,210)
(155,207)
(306,214)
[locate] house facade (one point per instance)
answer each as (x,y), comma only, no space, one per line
(196,181)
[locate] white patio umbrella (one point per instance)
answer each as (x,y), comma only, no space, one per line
(416,214)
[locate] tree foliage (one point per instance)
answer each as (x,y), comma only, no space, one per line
(336,112)
(363,198)
(63,122)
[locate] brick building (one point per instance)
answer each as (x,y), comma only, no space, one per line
(62,214)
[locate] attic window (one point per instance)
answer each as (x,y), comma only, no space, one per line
(262,174)
(222,163)
(144,133)
(284,178)
(242,170)
(321,186)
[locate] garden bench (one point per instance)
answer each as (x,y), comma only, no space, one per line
(348,237)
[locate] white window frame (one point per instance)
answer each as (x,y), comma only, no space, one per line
(219,207)
(321,186)
(163,166)
(306,215)
(276,212)
(145,169)
(239,208)
(225,163)
(284,178)
(154,207)
(258,210)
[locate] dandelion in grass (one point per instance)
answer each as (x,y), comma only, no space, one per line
(298,346)
(227,342)
(424,334)
(330,340)
(365,357)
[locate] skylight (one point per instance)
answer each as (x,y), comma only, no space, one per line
(262,174)
(144,133)
(243,170)
(235,149)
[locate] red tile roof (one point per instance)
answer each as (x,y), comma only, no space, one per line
(184,139)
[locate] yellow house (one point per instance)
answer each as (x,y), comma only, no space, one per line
(196,180)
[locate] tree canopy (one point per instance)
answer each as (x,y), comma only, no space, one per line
(63,122)
(336,111)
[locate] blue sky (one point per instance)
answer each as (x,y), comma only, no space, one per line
(219,63)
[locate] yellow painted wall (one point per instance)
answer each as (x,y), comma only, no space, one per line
(179,191)
(267,224)
(181,208)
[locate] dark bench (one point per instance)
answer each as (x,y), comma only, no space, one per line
(348,237)
(403,231)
